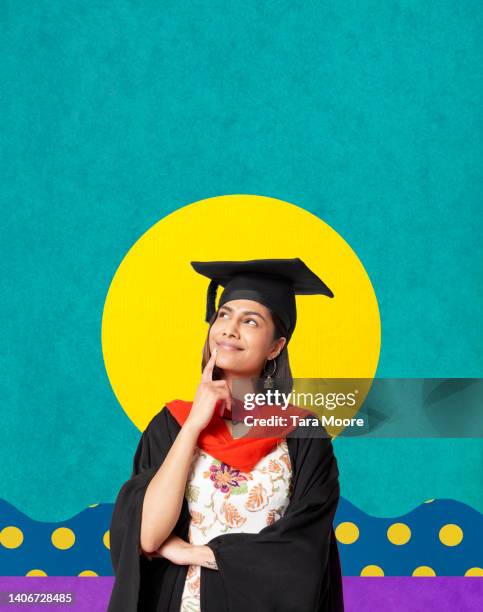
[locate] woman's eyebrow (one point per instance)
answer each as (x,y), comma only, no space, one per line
(245,312)
(253,312)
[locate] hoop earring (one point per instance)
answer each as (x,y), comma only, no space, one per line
(268,383)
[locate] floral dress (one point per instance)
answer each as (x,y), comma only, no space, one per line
(224,500)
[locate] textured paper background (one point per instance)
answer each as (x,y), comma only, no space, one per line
(115,114)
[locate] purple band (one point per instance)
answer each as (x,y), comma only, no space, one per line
(367,594)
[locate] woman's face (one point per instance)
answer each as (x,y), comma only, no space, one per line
(243,334)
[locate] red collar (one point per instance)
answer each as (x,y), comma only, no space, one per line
(242,453)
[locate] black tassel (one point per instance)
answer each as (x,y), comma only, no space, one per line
(211,299)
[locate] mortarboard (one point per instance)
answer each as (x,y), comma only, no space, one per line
(272,282)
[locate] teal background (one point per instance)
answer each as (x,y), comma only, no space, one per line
(113,115)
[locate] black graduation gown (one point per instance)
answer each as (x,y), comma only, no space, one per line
(291,565)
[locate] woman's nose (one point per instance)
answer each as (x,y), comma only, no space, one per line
(231,329)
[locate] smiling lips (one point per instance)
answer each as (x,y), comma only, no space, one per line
(228,347)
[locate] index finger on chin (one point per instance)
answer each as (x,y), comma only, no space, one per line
(207,374)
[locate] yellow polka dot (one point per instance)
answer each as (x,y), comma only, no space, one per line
(429,501)
(63,538)
(474,571)
(93,505)
(424,570)
(347,533)
(450,534)
(372,570)
(88,573)
(11,537)
(107,539)
(398,533)
(36,572)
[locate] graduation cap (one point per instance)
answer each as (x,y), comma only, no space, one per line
(272,282)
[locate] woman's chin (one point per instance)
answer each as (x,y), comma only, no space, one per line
(228,363)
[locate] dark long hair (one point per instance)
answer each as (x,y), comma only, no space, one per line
(283,380)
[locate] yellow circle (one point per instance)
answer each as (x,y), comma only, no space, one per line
(451,534)
(11,537)
(372,570)
(93,505)
(107,539)
(153,327)
(36,572)
(398,533)
(474,571)
(63,538)
(88,573)
(424,570)
(347,533)
(429,501)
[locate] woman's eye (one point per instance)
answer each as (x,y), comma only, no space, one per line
(252,320)
(221,314)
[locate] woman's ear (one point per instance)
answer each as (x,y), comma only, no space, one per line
(277,348)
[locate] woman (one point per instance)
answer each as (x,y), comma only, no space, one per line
(207,522)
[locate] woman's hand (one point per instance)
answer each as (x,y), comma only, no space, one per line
(209,391)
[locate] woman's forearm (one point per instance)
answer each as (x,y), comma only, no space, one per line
(203,555)
(165,493)
(180,552)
